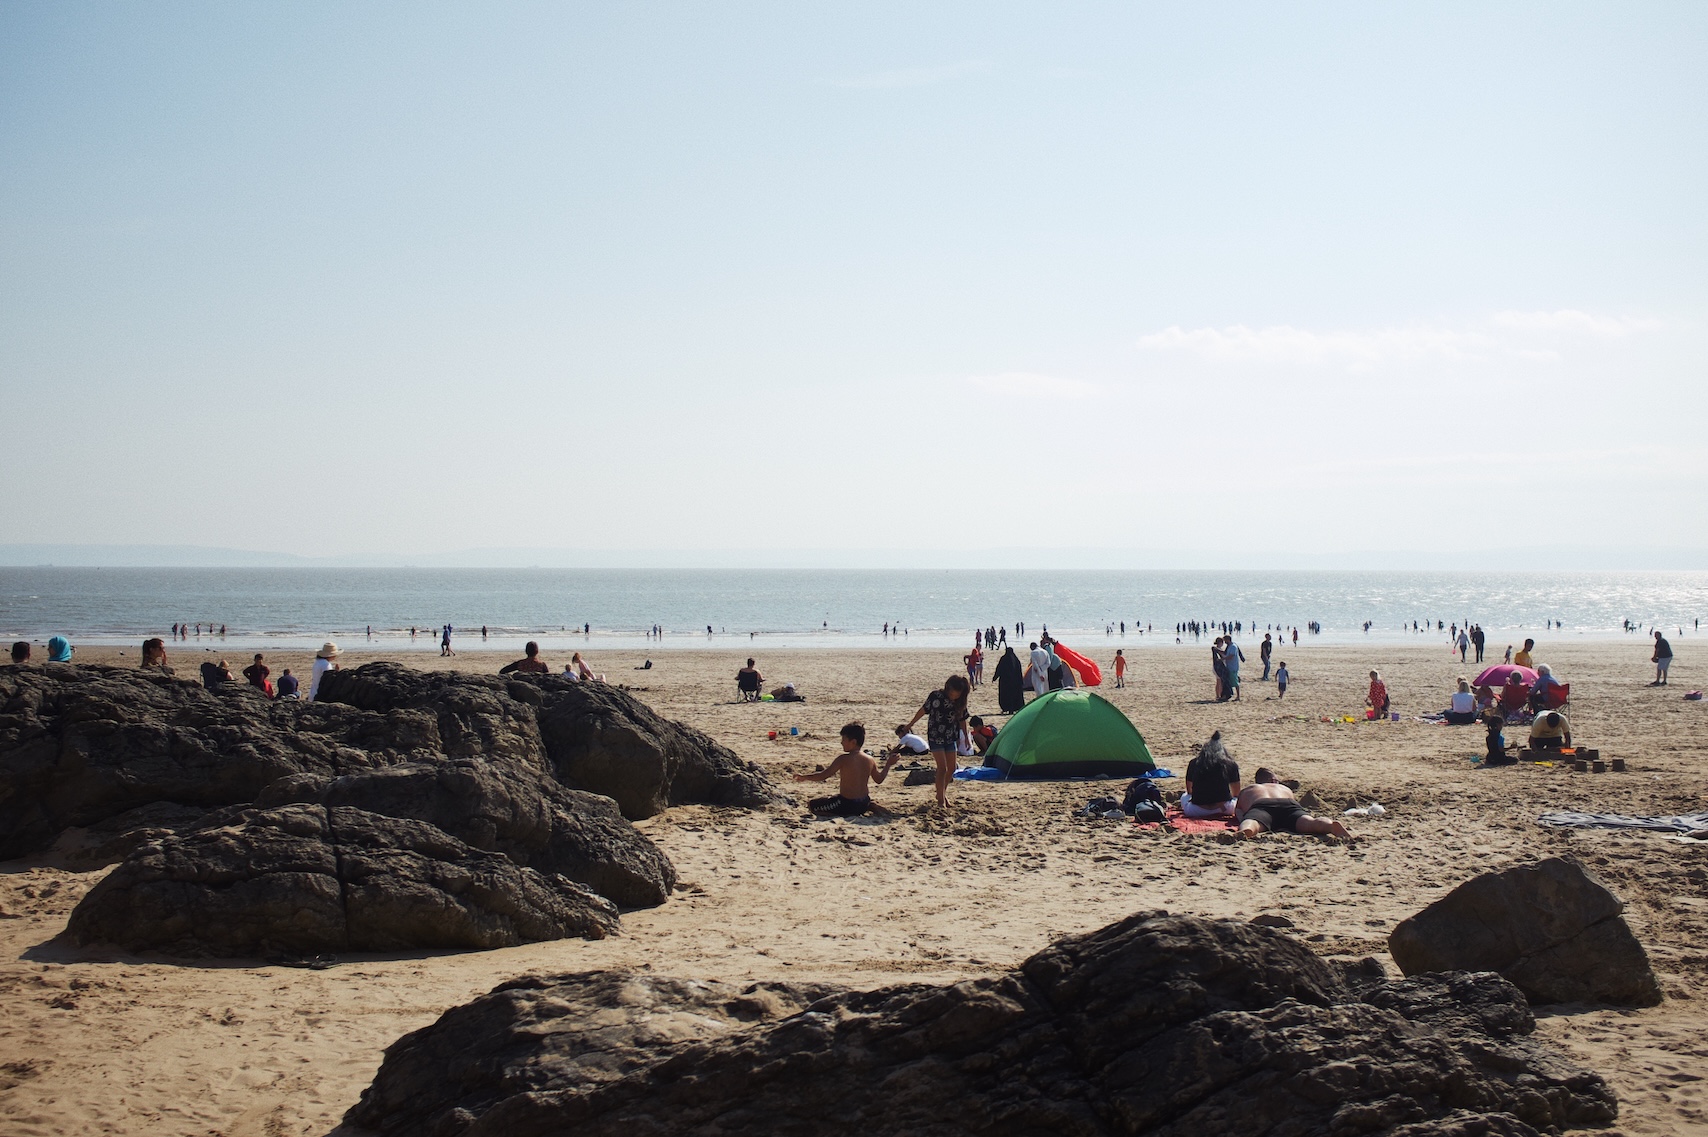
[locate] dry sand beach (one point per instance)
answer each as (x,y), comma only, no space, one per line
(95,1042)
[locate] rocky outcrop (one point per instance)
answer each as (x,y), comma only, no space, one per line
(513,809)
(1155,1024)
(80,744)
(604,740)
(593,736)
(1552,928)
(309,879)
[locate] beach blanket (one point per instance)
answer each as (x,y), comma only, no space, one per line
(979,774)
(1180,823)
(1693,823)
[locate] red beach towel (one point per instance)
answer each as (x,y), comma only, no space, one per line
(1182,824)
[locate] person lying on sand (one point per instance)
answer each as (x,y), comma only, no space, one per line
(1267,806)
(854,772)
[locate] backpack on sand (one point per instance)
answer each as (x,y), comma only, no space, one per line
(1142,790)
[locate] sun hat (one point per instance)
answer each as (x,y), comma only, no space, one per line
(330,651)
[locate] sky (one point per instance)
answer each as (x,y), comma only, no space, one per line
(348,280)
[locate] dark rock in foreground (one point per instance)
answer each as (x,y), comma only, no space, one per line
(1155,1024)
(1553,928)
(307,879)
(596,737)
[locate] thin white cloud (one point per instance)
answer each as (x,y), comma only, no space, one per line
(915,76)
(1571,320)
(1020,384)
(1287,344)
(1525,335)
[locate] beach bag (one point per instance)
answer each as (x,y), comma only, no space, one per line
(1147,812)
(1142,790)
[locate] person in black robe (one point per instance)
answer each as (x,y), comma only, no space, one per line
(1010,691)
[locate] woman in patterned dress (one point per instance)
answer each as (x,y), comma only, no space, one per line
(945,712)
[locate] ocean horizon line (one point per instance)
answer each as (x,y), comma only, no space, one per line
(1533,558)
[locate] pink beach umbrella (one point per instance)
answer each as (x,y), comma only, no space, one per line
(1496,676)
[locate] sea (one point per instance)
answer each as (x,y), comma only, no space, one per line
(294,608)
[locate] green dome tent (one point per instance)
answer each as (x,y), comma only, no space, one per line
(1069,734)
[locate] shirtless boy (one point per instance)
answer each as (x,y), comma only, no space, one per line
(854,772)
(1267,806)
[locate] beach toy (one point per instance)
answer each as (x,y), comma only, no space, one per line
(794,730)
(1395,716)
(772,735)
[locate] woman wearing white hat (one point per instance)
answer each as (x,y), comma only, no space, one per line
(324,661)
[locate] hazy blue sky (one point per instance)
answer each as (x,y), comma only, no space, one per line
(355,278)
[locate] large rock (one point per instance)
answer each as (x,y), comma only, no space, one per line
(1156,1024)
(596,737)
(604,740)
(512,809)
(468,716)
(80,744)
(1553,928)
(311,879)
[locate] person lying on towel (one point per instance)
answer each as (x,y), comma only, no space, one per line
(1267,806)
(854,772)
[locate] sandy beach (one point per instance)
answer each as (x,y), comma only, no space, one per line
(96,1042)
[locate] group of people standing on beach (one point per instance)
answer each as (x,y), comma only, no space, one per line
(1225,660)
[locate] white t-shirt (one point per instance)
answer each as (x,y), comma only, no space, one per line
(321,667)
(1464,702)
(914,743)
